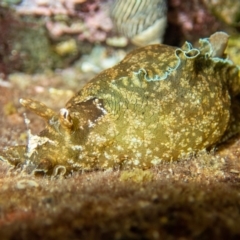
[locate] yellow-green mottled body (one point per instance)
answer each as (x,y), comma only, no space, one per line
(160,103)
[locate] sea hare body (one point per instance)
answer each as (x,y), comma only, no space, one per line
(160,103)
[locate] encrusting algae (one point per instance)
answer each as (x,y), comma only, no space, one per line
(160,103)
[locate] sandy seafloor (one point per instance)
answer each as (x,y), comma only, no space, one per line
(197,198)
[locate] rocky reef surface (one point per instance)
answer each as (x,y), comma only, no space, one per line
(195,198)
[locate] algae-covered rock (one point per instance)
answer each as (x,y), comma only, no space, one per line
(233,49)
(27,47)
(31,44)
(226,10)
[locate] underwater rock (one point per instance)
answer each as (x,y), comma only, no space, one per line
(25,46)
(233,49)
(160,103)
(189,20)
(226,10)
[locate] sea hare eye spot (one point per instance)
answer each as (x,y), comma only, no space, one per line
(64,113)
(65,118)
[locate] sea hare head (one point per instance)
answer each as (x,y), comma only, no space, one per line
(57,147)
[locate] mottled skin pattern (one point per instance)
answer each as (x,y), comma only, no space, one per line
(159,104)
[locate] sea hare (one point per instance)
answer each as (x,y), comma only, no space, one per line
(160,103)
